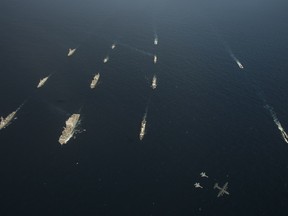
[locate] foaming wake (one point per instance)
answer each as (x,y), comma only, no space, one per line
(135,49)
(276,121)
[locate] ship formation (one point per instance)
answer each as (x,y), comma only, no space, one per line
(70,128)
(73,121)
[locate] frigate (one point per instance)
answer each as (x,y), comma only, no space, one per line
(42,82)
(142,130)
(94,81)
(71,52)
(6,121)
(69,130)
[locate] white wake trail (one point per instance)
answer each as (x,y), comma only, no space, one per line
(136,49)
(277,122)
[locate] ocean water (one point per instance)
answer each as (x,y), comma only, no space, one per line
(206,114)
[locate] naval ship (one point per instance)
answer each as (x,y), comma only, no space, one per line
(6,121)
(142,130)
(71,52)
(69,130)
(154,82)
(106,59)
(42,82)
(156,41)
(94,81)
(155,59)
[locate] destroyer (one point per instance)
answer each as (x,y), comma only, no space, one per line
(154,82)
(142,130)
(6,121)
(42,82)
(71,52)
(69,130)
(94,81)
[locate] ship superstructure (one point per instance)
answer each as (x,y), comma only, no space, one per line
(94,81)
(154,82)
(6,121)
(143,126)
(69,130)
(71,51)
(42,82)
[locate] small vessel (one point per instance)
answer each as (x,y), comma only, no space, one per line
(155,59)
(71,52)
(239,64)
(42,82)
(4,122)
(69,130)
(154,82)
(113,46)
(143,126)
(155,41)
(106,59)
(94,81)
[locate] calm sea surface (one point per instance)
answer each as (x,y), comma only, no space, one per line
(206,113)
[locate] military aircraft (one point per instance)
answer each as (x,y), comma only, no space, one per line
(222,190)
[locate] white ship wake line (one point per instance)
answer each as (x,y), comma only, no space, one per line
(136,49)
(276,121)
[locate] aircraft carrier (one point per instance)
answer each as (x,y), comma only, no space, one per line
(69,130)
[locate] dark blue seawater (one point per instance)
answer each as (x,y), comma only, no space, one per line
(205,115)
